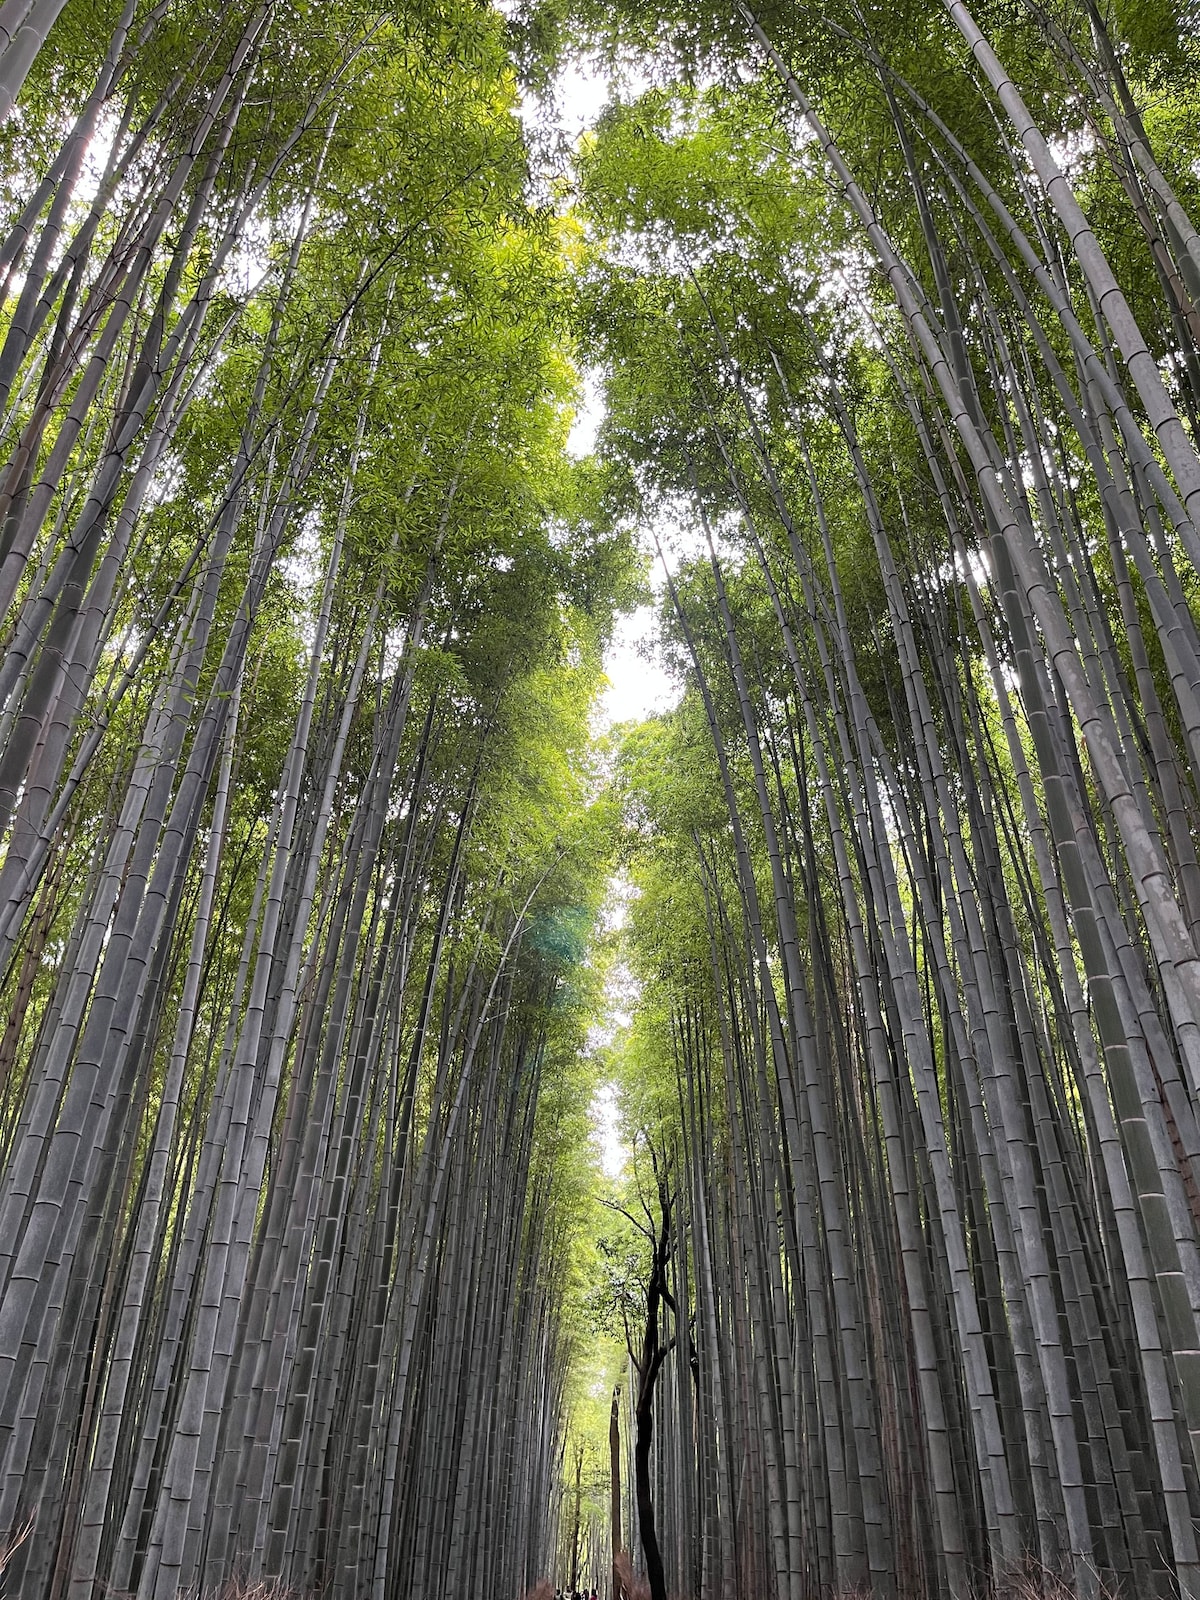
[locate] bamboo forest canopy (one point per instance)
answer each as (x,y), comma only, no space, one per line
(328,902)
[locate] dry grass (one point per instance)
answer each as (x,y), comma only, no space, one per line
(259,1589)
(1032,1581)
(1028,1581)
(632,1588)
(12,1542)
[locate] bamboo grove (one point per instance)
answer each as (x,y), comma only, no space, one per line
(305,836)
(300,640)
(899,313)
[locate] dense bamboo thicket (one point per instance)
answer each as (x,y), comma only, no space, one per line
(300,640)
(303,835)
(900,319)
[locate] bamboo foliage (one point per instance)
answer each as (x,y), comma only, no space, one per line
(933,1079)
(298,862)
(303,609)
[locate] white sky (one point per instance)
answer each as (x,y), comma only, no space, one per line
(580,94)
(581,440)
(620,994)
(605,1111)
(638,684)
